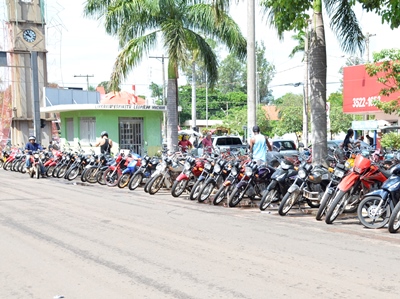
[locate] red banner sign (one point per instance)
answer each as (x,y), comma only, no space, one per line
(360,90)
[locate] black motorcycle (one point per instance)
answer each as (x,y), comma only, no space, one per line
(281,180)
(235,175)
(381,207)
(254,182)
(309,186)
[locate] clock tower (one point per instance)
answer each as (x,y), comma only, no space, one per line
(27,59)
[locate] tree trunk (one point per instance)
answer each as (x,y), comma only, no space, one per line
(318,88)
(172,108)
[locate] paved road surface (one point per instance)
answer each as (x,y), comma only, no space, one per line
(61,238)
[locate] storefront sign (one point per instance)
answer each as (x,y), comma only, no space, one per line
(360,90)
(365,125)
(129,107)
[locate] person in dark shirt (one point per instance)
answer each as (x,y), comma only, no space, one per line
(370,139)
(348,143)
(31,147)
(105,143)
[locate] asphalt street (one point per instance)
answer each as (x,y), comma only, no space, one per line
(91,241)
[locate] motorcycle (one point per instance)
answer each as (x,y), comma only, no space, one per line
(362,178)
(185,181)
(281,180)
(142,175)
(215,179)
(165,175)
(114,171)
(375,210)
(36,164)
(254,182)
(234,176)
(207,170)
(128,172)
(309,186)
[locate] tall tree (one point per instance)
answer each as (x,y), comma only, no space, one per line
(180,26)
(285,15)
(290,108)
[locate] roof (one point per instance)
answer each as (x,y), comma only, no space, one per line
(271,112)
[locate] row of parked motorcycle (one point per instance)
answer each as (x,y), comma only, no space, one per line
(365,181)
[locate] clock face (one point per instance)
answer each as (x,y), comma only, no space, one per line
(29,35)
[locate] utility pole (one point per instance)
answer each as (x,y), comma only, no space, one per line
(162,57)
(367,36)
(87,79)
(251,68)
(305,87)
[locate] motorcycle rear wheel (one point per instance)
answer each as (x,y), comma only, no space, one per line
(394,221)
(369,216)
(179,187)
(268,197)
(288,202)
(156,183)
(100,177)
(61,172)
(236,196)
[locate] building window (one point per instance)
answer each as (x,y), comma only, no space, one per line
(70,129)
(88,129)
(131,134)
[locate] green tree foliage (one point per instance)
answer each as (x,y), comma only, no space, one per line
(180,26)
(340,122)
(290,108)
(156,92)
(388,10)
(386,67)
(232,75)
(391,141)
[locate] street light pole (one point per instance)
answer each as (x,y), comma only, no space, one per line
(87,79)
(251,67)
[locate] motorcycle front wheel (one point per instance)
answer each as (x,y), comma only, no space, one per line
(111,177)
(337,206)
(179,187)
(205,192)
(268,197)
(325,203)
(72,173)
(236,196)
(394,221)
(196,190)
(135,181)
(287,203)
(221,194)
(156,183)
(369,214)
(123,181)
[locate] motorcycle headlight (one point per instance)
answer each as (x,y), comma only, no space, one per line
(347,164)
(78,160)
(159,166)
(248,171)
(234,171)
(302,174)
(92,160)
(207,166)
(339,173)
(187,165)
(217,168)
(36,156)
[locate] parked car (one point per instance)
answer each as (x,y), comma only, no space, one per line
(286,147)
(336,143)
(223,142)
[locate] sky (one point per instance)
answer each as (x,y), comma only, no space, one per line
(79,47)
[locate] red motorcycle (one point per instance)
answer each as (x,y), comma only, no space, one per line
(361,179)
(51,163)
(112,174)
(11,158)
(191,171)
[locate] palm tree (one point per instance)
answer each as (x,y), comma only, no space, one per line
(285,16)
(180,27)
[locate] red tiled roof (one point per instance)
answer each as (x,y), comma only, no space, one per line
(271,112)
